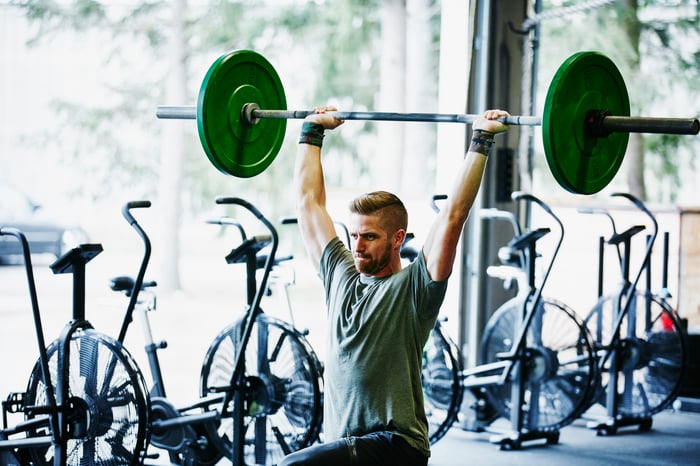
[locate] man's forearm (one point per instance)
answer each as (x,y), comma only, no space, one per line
(308,177)
(467,185)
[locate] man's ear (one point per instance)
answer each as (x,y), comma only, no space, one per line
(399,237)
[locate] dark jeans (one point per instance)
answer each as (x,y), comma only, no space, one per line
(375,449)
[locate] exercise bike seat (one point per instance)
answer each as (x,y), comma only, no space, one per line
(523,241)
(125,284)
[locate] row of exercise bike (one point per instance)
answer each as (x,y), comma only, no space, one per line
(261,383)
(543,365)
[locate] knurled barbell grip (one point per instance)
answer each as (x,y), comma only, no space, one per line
(387,116)
(190,113)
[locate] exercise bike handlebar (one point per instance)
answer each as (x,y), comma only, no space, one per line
(138,282)
(597,211)
(342,225)
(254,210)
(228,221)
(254,304)
(247,205)
(640,205)
(26,253)
(41,341)
(650,240)
(489,213)
(434,199)
(126,209)
(634,200)
(522,196)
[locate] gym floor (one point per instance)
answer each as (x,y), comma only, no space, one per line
(672,440)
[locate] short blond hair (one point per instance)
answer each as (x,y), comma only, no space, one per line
(391,211)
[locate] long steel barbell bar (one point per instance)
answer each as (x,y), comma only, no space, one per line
(607,123)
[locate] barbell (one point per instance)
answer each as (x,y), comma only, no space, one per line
(241,118)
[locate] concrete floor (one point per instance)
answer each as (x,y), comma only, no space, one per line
(674,439)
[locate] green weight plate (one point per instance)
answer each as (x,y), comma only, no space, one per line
(232,145)
(581,162)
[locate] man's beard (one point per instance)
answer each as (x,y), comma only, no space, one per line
(373,266)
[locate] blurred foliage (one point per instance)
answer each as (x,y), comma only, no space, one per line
(326,51)
(322,49)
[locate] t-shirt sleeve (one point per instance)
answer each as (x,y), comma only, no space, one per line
(336,264)
(432,293)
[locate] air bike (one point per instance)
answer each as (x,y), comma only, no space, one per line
(85,402)
(537,368)
(260,382)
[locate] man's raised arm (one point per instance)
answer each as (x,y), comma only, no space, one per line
(315,223)
(440,247)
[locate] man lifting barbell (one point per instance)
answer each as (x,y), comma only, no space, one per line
(379,314)
(241,120)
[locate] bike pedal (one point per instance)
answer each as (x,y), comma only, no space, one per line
(151,456)
(14,403)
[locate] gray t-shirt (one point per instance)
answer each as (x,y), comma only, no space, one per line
(377,328)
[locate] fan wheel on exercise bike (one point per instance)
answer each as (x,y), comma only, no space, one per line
(283,411)
(650,354)
(442,383)
(109,409)
(559,364)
